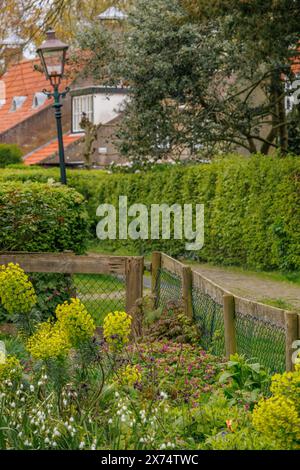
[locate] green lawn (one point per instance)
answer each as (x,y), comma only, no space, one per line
(100,308)
(100,294)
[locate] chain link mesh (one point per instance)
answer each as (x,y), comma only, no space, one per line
(208,315)
(258,339)
(100,293)
(168,288)
(261,340)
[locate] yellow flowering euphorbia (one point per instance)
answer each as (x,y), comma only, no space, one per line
(10,368)
(117,328)
(129,375)
(75,320)
(278,417)
(17,294)
(49,341)
(288,385)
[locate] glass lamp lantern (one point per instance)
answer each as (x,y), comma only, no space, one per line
(52,53)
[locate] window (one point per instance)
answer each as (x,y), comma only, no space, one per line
(81,104)
(39,99)
(17,102)
(292,90)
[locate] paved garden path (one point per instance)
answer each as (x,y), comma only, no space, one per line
(251,286)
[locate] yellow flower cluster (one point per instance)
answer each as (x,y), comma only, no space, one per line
(288,385)
(75,320)
(129,375)
(117,328)
(10,368)
(49,341)
(73,326)
(17,294)
(278,417)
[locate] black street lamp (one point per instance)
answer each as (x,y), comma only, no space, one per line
(53,53)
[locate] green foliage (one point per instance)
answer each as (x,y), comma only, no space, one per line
(196,80)
(41,217)
(244,380)
(10,154)
(51,289)
(252,206)
(170,323)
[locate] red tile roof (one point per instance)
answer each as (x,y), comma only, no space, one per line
(22,80)
(37,156)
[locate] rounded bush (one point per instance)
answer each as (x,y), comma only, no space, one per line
(10,154)
(42,217)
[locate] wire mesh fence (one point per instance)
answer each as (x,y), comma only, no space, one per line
(261,340)
(168,288)
(256,331)
(100,293)
(208,315)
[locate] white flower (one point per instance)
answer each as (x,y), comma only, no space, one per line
(31,388)
(110,421)
(13,405)
(54,444)
(72,419)
(81,445)
(117,394)
(47,440)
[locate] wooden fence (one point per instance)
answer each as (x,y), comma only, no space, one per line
(247,326)
(236,324)
(131,268)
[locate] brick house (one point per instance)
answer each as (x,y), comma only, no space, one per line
(27,117)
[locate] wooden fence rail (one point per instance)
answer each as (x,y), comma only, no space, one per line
(132,267)
(231,304)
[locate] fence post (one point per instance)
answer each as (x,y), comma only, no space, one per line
(291,335)
(187,285)
(155,285)
(229,324)
(134,281)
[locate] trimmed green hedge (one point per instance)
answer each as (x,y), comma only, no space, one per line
(10,154)
(252,206)
(41,217)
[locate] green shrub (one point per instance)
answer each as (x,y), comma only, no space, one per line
(252,206)
(9,154)
(41,217)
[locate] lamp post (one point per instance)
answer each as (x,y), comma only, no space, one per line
(52,54)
